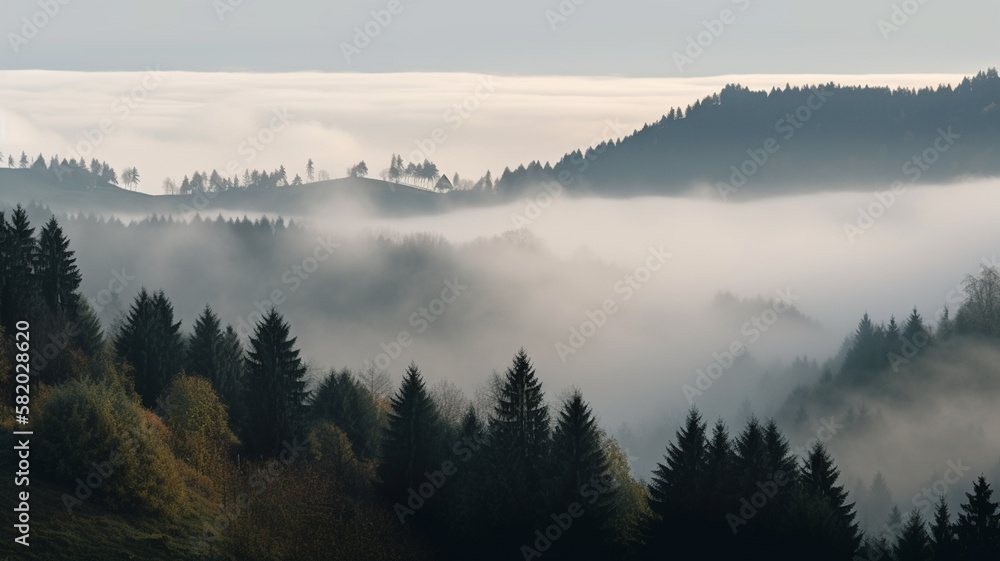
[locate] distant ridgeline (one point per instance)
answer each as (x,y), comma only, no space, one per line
(751,143)
(737,144)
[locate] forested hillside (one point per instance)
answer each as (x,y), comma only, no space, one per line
(226,443)
(794,139)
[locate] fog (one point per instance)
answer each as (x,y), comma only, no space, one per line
(170,123)
(463,291)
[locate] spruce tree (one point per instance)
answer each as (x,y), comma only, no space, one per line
(89,337)
(275,388)
(218,356)
(343,401)
(519,446)
(819,482)
(720,492)
(151,342)
(19,300)
(677,484)
(779,454)
(521,421)
(230,383)
(676,492)
(719,458)
(978,525)
(914,331)
(581,475)
(751,463)
(56,271)
(411,445)
(913,543)
(169,343)
(878,503)
(943,533)
(204,357)
(894,524)
(865,350)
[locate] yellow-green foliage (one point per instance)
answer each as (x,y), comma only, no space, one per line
(90,427)
(102,368)
(303,514)
(331,447)
(199,423)
(631,506)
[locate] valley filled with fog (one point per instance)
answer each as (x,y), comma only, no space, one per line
(684,279)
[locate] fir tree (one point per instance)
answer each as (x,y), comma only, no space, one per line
(677,490)
(864,353)
(913,543)
(750,457)
(275,388)
(819,482)
(20,297)
(343,401)
(893,525)
(519,446)
(978,525)
(56,270)
(581,470)
(779,455)
(943,533)
(718,457)
(218,356)
(411,445)
(914,331)
(89,337)
(203,350)
(521,421)
(879,502)
(151,342)
(678,482)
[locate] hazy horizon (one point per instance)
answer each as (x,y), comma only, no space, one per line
(171,124)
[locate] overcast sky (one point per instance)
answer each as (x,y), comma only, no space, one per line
(594,37)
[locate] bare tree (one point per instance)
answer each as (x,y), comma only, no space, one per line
(451,402)
(488,396)
(981,310)
(376,381)
(169,187)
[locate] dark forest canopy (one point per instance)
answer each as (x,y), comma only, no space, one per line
(795,139)
(527,476)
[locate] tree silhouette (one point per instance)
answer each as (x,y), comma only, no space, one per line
(343,401)
(411,445)
(913,543)
(20,293)
(978,525)
(150,341)
(943,533)
(677,488)
(581,475)
(819,482)
(55,267)
(275,388)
